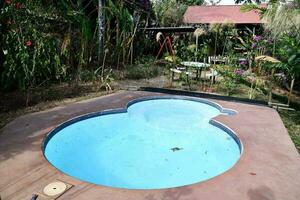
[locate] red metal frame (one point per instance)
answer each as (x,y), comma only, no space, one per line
(169,46)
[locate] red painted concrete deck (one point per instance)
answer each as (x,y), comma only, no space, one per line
(268,169)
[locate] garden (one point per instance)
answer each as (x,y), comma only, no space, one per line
(57,52)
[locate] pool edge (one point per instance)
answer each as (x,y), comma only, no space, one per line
(212,121)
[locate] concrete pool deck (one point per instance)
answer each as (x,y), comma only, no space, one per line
(268,169)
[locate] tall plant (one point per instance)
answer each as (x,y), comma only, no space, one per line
(78,39)
(283,21)
(289,54)
(121,29)
(220,33)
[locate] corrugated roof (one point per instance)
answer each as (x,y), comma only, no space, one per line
(219,14)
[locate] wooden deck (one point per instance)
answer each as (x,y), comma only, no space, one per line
(268,169)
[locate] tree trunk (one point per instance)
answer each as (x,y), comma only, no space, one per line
(101,29)
(197,42)
(215,53)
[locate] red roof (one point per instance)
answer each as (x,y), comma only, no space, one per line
(220,14)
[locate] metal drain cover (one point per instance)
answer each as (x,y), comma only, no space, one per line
(55,188)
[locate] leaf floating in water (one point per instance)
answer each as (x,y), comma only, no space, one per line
(176,149)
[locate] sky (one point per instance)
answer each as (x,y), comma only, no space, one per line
(223,2)
(227,2)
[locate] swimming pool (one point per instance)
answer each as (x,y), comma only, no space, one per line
(155,143)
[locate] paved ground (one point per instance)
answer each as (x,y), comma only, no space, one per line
(268,169)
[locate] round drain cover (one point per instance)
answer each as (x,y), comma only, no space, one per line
(55,188)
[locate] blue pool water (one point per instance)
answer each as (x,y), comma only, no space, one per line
(159,143)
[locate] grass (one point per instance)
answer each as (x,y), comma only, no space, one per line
(291,120)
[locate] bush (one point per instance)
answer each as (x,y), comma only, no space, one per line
(87,75)
(231,76)
(41,44)
(141,71)
(31,53)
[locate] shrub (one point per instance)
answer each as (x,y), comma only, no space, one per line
(141,71)
(231,76)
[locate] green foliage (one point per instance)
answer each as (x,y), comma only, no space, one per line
(27,66)
(289,55)
(30,51)
(219,36)
(283,18)
(143,68)
(169,12)
(250,6)
(187,52)
(43,43)
(231,77)
(103,80)
(121,30)
(247,45)
(87,75)
(192,2)
(78,40)
(106,78)
(284,25)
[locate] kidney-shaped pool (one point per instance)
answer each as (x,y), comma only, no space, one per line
(155,143)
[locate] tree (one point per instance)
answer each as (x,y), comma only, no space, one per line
(169,12)
(283,18)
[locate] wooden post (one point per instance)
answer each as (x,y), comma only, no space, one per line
(270,95)
(131,49)
(271,86)
(291,90)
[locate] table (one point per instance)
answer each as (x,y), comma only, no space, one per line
(196,65)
